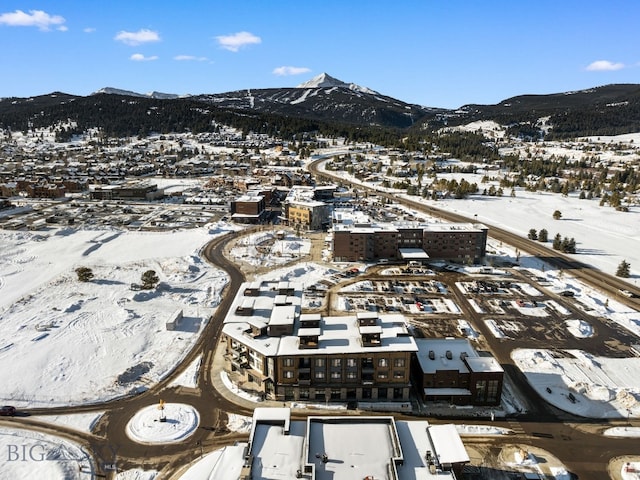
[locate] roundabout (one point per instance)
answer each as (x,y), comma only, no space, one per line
(163,423)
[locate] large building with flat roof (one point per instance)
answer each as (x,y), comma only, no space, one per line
(340,448)
(249,208)
(362,242)
(273,349)
(451,370)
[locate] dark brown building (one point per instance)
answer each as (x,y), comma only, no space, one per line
(272,349)
(451,370)
(249,209)
(464,243)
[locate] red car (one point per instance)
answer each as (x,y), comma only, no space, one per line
(7,411)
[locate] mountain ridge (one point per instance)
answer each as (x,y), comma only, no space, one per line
(605,110)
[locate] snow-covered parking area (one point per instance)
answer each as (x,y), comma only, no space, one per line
(589,386)
(80,342)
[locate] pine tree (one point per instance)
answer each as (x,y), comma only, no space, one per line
(557,242)
(557,215)
(624,269)
(84,274)
(149,279)
(543,235)
(533,235)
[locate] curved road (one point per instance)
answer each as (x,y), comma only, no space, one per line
(577,443)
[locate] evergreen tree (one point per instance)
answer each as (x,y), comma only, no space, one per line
(557,215)
(557,242)
(149,279)
(84,274)
(533,235)
(543,235)
(624,269)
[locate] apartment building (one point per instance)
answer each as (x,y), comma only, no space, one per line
(249,208)
(451,370)
(302,209)
(274,350)
(463,243)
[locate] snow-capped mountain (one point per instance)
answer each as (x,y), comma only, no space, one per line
(324,80)
(324,98)
(129,93)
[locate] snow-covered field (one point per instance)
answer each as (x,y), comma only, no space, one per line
(77,342)
(263,249)
(30,454)
(597,387)
(604,236)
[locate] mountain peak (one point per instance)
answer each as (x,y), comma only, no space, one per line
(324,80)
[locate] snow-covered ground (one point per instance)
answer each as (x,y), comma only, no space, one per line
(597,387)
(263,249)
(603,235)
(163,423)
(189,377)
(83,422)
(118,335)
(30,454)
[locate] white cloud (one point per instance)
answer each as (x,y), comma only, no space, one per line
(137,38)
(604,65)
(138,57)
(89,30)
(238,40)
(283,71)
(35,18)
(190,58)
(62,28)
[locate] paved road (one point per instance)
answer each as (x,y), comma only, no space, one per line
(575,441)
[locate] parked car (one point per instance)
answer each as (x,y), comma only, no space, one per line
(567,293)
(627,293)
(7,411)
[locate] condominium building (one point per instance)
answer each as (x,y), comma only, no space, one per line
(249,208)
(302,209)
(460,242)
(451,370)
(274,350)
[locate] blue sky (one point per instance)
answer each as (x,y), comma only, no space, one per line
(443,53)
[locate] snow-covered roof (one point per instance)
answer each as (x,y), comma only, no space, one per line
(436,354)
(447,444)
(342,335)
(336,335)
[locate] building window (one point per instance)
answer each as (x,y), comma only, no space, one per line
(336,362)
(481,387)
(398,362)
(351,362)
(319,362)
(383,375)
(287,362)
(492,390)
(336,375)
(320,375)
(383,362)
(288,374)
(398,374)
(352,375)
